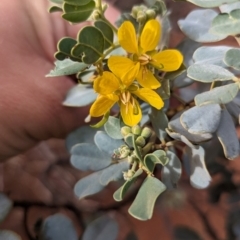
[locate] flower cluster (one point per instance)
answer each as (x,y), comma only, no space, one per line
(133,77)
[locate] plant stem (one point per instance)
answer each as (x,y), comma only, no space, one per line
(114,46)
(99,6)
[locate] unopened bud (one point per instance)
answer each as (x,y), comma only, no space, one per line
(136,130)
(104,7)
(96,15)
(135,10)
(140,141)
(141,17)
(146,132)
(128,175)
(125,131)
(131,159)
(151,14)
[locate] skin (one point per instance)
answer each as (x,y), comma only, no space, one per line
(30,104)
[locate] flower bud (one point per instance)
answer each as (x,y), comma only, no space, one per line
(96,15)
(128,175)
(136,130)
(135,10)
(151,14)
(131,159)
(141,17)
(146,132)
(104,7)
(125,131)
(140,141)
(124,151)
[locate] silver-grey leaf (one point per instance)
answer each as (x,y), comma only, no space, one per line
(80,96)
(199,175)
(208,73)
(106,143)
(66,67)
(220,95)
(197,24)
(202,119)
(172,171)
(227,135)
(210,55)
(86,156)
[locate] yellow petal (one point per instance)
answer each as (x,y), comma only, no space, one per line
(127,112)
(149,96)
(167,60)
(124,68)
(106,84)
(127,37)
(150,35)
(102,105)
(146,79)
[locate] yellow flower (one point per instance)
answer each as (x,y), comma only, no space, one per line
(144,55)
(113,90)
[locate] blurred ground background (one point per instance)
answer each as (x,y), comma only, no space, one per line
(41,181)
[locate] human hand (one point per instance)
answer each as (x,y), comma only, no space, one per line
(30,104)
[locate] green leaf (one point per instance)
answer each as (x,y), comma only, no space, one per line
(210,3)
(226,23)
(162,157)
(176,131)
(88,185)
(220,95)
(57,1)
(106,143)
(229,7)
(208,73)
(202,119)
(66,67)
(84,134)
(227,136)
(86,156)
(5,206)
(157,157)
(159,122)
(103,228)
(159,6)
(232,58)
(121,192)
(164,90)
(113,172)
(129,139)
(90,46)
(77,14)
(113,128)
(9,235)
(64,47)
(80,96)
(171,172)
(54,9)
(210,55)
(142,206)
(58,227)
(106,31)
(77,2)
(197,24)
(199,175)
